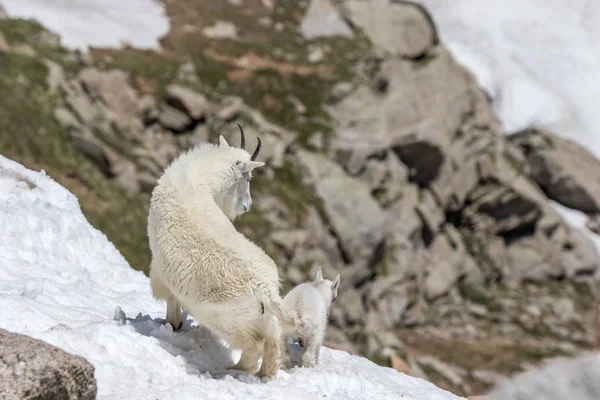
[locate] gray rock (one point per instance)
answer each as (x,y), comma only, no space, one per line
(56,74)
(147,181)
(112,89)
(354,215)
(405,210)
(173,119)
(401,115)
(351,303)
(442,277)
(430,212)
(33,369)
(3,14)
(290,241)
(149,110)
(339,91)
(187,73)
(194,104)
(564,169)
(322,19)
(559,379)
(505,201)
(593,223)
(399,27)
(533,258)
(229,112)
(444,369)
(220,30)
(487,377)
(393,304)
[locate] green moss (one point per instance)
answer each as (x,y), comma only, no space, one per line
(30,32)
(32,137)
(151,71)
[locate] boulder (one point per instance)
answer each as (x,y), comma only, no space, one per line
(400,28)
(417,112)
(322,19)
(565,170)
(506,200)
(33,369)
(113,89)
(195,105)
(355,216)
(173,119)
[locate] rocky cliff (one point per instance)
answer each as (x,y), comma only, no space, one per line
(384,160)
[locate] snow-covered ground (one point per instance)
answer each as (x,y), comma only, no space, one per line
(61,281)
(98,23)
(538,59)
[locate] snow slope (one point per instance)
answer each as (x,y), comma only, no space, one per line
(98,23)
(539,60)
(61,281)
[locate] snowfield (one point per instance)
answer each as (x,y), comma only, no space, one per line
(96,23)
(63,282)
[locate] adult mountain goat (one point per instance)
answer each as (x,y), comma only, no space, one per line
(201,262)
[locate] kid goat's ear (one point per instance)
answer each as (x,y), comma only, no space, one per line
(336,283)
(223,143)
(319,276)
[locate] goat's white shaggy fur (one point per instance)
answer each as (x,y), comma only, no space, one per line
(201,262)
(308,305)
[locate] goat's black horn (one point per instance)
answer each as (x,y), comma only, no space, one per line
(243,143)
(253,157)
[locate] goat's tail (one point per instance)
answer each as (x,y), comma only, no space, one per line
(272,304)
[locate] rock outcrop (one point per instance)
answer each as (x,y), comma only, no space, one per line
(33,369)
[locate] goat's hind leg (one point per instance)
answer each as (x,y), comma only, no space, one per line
(312,345)
(249,360)
(272,348)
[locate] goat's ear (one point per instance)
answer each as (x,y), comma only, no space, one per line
(223,142)
(248,166)
(319,276)
(336,283)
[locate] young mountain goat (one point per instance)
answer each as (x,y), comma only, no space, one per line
(201,262)
(308,305)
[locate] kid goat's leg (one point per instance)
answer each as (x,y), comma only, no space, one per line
(312,344)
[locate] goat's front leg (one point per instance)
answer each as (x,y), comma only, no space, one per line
(174,316)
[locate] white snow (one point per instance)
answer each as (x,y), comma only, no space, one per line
(538,59)
(62,281)
(96,23)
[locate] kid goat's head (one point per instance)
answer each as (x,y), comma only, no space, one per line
(235,198)
(326,288)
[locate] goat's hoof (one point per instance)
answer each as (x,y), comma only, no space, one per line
(178,328)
